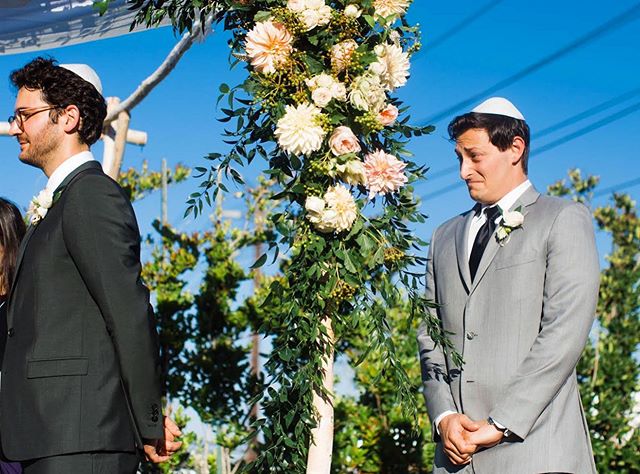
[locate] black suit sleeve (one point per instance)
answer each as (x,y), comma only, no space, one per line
(102,237)
(3,330)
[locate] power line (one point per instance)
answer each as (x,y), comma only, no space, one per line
(465,22)
(587,113)
(441,191)
(557,126)
(561,141)
(589,128)
(444,172)
(617,187)
(625,17)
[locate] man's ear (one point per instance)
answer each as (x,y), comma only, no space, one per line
(71,118)
(517,147)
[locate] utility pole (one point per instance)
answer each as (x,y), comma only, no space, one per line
(165,192)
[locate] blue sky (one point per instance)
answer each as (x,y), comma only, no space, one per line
(484,49)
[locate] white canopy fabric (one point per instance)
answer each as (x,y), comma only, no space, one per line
(29,25)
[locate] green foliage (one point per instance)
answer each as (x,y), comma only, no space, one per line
(166,275)
(101,6)
(182,13)
(373,435)
(580,189)
(137,184)
(203,364)
(609,370)
(335,276)
(217,365)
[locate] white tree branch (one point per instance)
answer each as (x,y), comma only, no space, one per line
(163,70)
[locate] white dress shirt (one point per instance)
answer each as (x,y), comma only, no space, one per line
(66,168)
(504,204)
(478,221)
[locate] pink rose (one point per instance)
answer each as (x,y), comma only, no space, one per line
(343,141)
(388,115)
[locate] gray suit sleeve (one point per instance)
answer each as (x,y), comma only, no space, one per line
(102,237)
(569,305)
(436,390)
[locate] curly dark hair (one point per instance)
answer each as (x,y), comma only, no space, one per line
(501,130)
(61,88)
(12,230)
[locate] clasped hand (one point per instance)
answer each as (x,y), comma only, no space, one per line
(461,437)
(160,450)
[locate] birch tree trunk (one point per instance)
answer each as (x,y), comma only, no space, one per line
(321,447)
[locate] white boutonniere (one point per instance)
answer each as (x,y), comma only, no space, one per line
(509,221)
(39,206)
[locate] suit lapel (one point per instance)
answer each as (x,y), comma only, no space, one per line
(462,234)
(32,227)
(529,197)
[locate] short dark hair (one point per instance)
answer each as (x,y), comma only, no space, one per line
(501,130)
(61,87)
(12,229)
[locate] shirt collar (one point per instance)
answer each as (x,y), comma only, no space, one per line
(66,168)
(512,196)
(508,199)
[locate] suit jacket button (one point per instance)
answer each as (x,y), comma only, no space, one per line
(154,418)
(11,332)
(471,335)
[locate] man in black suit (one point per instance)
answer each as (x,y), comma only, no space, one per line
(81,390)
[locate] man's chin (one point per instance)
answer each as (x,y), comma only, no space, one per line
(475,194)
(27,160)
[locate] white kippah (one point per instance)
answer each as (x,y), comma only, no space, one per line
(86,73)
(499,106)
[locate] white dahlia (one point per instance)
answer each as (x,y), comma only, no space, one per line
(335,213)
(341,211)
(268,45)
(392,66)
(298,131)
(390,8)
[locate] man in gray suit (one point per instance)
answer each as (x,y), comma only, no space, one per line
(515,280)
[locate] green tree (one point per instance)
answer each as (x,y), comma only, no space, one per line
(203,364)
(609,369)
(373,434)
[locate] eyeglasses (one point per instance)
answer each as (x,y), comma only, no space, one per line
(21,115)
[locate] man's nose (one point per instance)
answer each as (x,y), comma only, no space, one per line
(14,129)
(464,169)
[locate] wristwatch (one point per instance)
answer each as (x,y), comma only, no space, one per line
(505,431)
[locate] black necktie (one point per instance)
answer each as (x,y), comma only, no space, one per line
(484,233)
